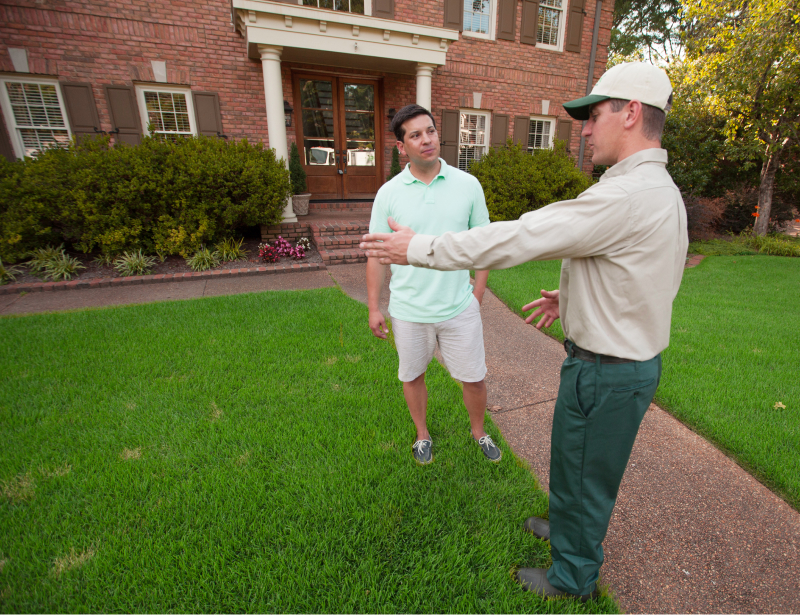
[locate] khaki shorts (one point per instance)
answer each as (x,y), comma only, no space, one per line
(460,341)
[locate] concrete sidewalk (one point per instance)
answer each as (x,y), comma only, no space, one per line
(692,532)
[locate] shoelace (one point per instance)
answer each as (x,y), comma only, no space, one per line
(420,444)
(486,440)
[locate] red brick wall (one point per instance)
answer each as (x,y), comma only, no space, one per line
(104,42)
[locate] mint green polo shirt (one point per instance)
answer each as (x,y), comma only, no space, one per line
(453,201)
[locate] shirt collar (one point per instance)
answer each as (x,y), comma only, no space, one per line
(408,178)
(644,156)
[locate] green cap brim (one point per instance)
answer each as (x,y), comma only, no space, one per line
(579,108)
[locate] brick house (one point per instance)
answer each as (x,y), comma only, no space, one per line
(328,74)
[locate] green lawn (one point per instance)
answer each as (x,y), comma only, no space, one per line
(733,358)
(246,453)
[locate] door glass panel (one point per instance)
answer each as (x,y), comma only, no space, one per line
(359,118)
(316,98)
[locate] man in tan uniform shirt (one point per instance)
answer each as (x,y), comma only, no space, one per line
(623,243)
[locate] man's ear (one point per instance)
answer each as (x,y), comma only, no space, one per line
(402,148)
(633,113)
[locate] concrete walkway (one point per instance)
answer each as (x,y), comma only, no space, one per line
(692,532)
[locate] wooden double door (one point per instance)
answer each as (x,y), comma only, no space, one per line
(339,135)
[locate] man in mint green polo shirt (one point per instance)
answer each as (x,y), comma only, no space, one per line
(428,306)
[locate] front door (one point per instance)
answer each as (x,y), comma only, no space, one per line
(339,145)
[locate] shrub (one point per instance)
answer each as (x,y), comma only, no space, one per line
(516,182)
(161,197)
(134,263)
(703,214)
(740,205)
(42,257)
(395,167)
(63,267)
(231,250)
(203,259)
(8,273)
(296,171)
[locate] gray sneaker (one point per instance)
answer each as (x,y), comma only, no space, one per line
(490,449)
(422,451)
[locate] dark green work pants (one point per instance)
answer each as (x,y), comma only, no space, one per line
(598,412)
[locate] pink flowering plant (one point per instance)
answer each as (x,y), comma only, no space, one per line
(282,248)
(267,253)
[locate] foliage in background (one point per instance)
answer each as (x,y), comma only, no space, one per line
(134,263)
(161,197)
(516,182)
(53,263)
(646,30)
(231,250)
(8,273)
(296,171)
(395,168)
(748,243)
(204,259)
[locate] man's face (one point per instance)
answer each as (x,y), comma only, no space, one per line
(421,141)
(603,133)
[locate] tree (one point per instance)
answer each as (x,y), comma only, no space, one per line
(395,168)
(743,63)
(646,29)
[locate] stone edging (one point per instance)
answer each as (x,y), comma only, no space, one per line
(693,261)
(159,278)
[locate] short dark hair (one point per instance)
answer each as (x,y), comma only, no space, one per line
(653,117)
(406,113)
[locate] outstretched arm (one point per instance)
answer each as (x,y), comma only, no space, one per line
(546,307)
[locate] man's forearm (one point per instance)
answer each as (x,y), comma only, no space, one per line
(481,278)
(376,274)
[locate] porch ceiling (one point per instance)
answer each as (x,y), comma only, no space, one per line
(338,39)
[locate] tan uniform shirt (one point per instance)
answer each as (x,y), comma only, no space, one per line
(623,243)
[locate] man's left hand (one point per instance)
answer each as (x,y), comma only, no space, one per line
(388,248)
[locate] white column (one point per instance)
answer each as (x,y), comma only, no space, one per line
(424,74)
(276,123)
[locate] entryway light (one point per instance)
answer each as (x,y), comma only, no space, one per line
(287,113)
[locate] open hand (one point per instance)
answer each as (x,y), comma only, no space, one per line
(546,307)
(388,248)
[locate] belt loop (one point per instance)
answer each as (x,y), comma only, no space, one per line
(570,355)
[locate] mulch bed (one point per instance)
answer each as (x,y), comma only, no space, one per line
(171,265)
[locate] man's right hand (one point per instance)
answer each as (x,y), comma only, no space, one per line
(547,309)
(377,324)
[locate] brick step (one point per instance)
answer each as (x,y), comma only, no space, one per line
(342,257)
(343,207)
(334,242)
(335,227)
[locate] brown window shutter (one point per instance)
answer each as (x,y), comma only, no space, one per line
(507,20)
(564,131)
(530,22)
(6,149)
(383,8)
(522,128)
(575,26)
(454,15)
(499,129)
(206,113)
(449,140)
(81,109)
(124,112)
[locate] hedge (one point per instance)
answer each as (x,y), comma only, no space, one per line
(161,197)
(516,181)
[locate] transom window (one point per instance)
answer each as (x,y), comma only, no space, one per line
(551,23)
(168,113)
(472,137)
(477,16)
(540,133)
(35,115)
(348,6)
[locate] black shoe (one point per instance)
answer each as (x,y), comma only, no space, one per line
(489,448)
(538,527)
(422,451)
(535,580)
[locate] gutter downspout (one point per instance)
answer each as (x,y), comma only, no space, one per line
(590,80)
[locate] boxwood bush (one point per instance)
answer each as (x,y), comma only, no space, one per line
(161,197)
(516,181)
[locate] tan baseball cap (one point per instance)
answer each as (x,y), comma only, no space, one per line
(629,81)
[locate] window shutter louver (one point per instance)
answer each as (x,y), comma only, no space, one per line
(530,22)
(499,130)
(522,126)
(575,26)
(454,15)
(564,132)
(206,113)
(383,8)
(124,114)
(449,141)
(81,109)
(6,149)
(507,20)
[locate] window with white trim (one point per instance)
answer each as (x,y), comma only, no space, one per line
(35,115)
(479,18)
(541,132)
(550,28)
(167,112)
(473,134)
(360,7)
